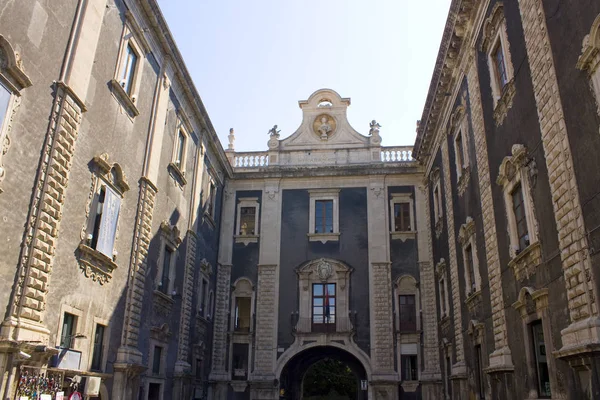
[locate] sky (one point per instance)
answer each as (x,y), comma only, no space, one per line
(252,61)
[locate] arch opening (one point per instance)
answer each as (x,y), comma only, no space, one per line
(323,372)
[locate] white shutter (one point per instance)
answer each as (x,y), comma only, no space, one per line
(108,224)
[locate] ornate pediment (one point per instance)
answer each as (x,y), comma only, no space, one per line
(111,172)
(491,26)
(11,66)
(324,270)
(511,164)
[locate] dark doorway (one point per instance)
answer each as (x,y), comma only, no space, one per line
(323,372)
(154,391)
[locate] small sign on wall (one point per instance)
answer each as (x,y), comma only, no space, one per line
(363,385)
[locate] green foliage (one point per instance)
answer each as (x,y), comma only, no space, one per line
(329,379)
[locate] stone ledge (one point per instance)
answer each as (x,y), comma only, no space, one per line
(323,237)
(94,264)
(178,173)
(505,102)
(523,264)
(579,338)
(246,239)
(403,235)
(123,98)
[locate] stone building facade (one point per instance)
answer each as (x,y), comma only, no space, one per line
(507,140)
(111,177)
(141,260)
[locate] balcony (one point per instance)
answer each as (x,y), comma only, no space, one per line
(306,325)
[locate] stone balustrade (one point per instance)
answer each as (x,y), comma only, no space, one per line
(253,159)
(397,154)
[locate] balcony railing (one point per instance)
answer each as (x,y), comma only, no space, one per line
(397,154)
(255,159)
(341,325)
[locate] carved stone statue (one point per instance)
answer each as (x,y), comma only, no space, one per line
(273,131)
(374,131)
(324,128)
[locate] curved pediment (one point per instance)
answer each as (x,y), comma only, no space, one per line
(324,125)
(323,268)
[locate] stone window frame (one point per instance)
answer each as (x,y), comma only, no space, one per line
(78,327)
(324,270)
(211,199)
(589,60)
(447,351)
(14,79)
(94,264)
(244,288)
(407,285)
(205,272)
(105,343)
(178,167)
(247,202)
(131,36)
(459,124)
(210,307)
(532,306)
(400,198)
(440,271)
(159,337)
(466,238)
(324,194)
(494,35)
(170,237)
(520,169)
(436,194)
(476,331)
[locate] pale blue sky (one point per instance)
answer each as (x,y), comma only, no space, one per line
(252,61)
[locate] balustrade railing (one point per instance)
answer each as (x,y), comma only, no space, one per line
(397,154)
(336,324)
(251,160)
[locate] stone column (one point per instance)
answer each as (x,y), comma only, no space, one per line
(384,379)
(431,377)
(267,299)
(501,358)
(583,334)
(459,368)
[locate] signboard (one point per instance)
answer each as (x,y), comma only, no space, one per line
(60,396)
(46,397)
(363,385)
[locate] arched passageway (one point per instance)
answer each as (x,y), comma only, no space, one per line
(321,371)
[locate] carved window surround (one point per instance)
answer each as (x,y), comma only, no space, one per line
(459,126)
(532,305)
(14,79)
(93,263)
(519,169)
(440,271)
(324,270)
(477,332)
(247,238)
(242,288)
(589,60)
(176,166)
(205,272)
(495,35)
(324,194)
(434,178)
(407,285)
(170,238)
(398,198)
(466,238)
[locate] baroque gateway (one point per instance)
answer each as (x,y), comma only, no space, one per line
(140,260)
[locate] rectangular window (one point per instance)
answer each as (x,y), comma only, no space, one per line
(180,150)
(203,297)
(402,217)
(242,314)
(448,375)
(458,141)
(199,363)
(409,367)
(210,208)
(104,228)
(479,372)
(98,348)
(166,271)
(128,73)
(323,216)
(247,220)
(443,296)
(156,360)
(541,363)
(520,217)
(323,307)
(470,268)
(501,76)
(68,330)
(4,102)
(240,361)
(408,313)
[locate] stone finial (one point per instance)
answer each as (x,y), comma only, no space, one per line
(231,138)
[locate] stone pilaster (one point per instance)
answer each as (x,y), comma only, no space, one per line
(501,358)
(219,349)
(129,352)
(266,319)
(25,320)
(584,332)
(459,369)
(182,365)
